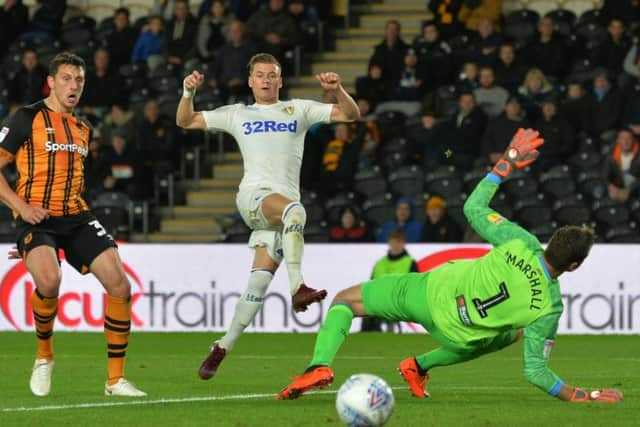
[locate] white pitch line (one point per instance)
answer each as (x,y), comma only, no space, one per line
(151,402)
(244,396)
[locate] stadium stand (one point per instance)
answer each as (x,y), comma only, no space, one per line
(194,199)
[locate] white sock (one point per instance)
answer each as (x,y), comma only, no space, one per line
(294,218)
(247,307)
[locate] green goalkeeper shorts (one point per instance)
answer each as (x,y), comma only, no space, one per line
(398,297)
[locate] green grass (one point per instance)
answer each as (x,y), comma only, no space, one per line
(486,392)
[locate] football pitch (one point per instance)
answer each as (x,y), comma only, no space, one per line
(489,391)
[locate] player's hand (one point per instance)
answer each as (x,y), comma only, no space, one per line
(13,253)
(606,395)
(33,214)
(329,81)
(521,152)
(192,82)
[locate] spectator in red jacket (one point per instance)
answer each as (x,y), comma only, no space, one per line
(351,228)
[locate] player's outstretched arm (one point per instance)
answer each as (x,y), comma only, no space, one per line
(539,338)
(488,223)
(186,118)
(344,108)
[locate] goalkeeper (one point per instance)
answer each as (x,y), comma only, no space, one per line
(472,307)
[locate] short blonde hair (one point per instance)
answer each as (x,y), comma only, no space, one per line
(263,58)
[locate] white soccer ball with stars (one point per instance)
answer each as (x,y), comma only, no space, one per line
(365,400)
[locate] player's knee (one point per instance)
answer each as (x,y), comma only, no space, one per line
(48,282)
(119,287)
(344,297)
(294,213)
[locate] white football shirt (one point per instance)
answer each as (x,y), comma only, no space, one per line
(271,139)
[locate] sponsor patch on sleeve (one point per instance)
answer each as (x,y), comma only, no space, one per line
(495,218)
(3,133)
(548,345)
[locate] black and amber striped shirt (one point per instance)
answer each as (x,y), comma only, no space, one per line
(49,149)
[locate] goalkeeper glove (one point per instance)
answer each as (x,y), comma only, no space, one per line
(521,152)
(606,395)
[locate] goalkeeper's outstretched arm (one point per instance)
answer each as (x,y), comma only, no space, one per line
(488,223)
(538,341)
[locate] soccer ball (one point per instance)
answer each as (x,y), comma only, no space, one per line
(365,400)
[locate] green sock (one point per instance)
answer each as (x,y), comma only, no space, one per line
(332,333)
(442,357)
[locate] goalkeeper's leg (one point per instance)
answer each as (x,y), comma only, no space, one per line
(451,353)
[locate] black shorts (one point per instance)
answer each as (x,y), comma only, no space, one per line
(81,237)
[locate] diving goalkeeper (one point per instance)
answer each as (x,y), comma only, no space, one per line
(472,307)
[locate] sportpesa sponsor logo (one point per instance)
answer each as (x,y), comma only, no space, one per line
(74,148)
(261,126)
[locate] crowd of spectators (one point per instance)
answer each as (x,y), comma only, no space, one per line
(134,69)
(475,77)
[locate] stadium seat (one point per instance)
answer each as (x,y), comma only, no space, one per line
(543,231)
(164,84)
(473,177)
(206,99)
(313,207)
(582,69)
(333,207)
(461,49)
(634,209)
(406,181)
(520,186)
(542,7)
(609,212)
(168,103)
(444,185)
(76,36)
(394,145)
(395,161)
(520,26)
(623,233)
(446,100)
(585,161)
(585,11)
(455,205)
(591,184)
(532,210)
(592,34)
(558,182)
(369,182)
(563,20)
(81,21)
(391,124)
(379,208)
(419,201)
(571,210)
(112,199)
(500,204)
(7,231)
(114,219)
(166,70)
(316,233)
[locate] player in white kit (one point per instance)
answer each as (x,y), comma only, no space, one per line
(270,134)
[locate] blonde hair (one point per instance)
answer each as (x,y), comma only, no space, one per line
(263,58)
(535,73)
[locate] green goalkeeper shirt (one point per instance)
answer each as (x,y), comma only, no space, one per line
(508,288)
